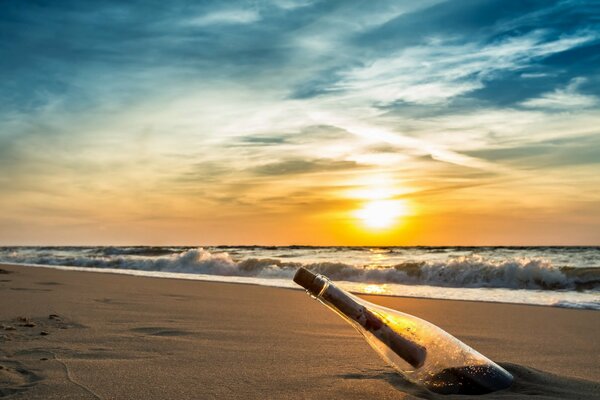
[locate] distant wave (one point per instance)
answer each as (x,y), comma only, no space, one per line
(137,250)
(461,272)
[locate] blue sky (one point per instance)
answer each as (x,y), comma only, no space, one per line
(184,122)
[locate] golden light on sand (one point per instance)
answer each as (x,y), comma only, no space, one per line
(381,214)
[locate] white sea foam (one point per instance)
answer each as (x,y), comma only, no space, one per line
(579,305)
(467,271)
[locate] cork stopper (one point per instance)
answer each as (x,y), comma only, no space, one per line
(309,281)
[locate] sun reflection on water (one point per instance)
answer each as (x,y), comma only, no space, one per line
(375,289)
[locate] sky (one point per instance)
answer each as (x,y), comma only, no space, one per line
(471,122)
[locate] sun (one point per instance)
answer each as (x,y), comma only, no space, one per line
(381,214)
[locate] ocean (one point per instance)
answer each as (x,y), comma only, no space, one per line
(550,276)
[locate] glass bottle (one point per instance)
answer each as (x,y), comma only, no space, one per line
(423,353)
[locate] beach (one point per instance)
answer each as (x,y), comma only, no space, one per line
(87,335)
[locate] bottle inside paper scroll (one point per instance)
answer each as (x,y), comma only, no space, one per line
(423,353)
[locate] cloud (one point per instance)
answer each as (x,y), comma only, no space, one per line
(261,140)
(226,17)
(441,69)
(302,166)
(574,151)
(376,133)
(292,4)
(564,98)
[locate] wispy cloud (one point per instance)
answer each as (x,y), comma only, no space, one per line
(440,69)
(564,98)
(302,166)
(226,17)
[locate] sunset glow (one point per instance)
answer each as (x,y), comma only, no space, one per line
(174,174)
(299,122)
(380,214)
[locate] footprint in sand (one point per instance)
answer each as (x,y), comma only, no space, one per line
(26,328)
(30,289)
(160,331)
(14,378)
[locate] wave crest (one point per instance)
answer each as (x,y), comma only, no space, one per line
(461,272)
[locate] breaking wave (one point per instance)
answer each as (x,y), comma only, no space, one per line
(471,271)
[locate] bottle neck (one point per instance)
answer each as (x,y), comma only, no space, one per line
(314,284)
(320,287)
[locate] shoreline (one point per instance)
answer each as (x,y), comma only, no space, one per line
(227,279)
(307,246)
(117,336)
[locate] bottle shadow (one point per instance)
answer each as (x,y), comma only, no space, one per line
(529,384)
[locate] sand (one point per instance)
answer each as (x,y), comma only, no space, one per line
(85,335)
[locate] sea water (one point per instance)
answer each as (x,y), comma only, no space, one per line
(552,276)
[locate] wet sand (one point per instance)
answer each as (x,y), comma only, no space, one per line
(85,335)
